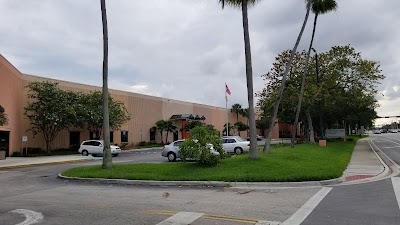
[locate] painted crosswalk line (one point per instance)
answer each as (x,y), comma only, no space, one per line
(301,214)
(181,218)
(396,187)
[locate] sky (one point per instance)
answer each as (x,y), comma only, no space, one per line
(188,49)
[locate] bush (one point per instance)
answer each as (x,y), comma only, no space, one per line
(123,145)
(197,146)
(142,143)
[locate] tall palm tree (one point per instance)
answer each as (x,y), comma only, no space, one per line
(243,4)
(236,108)
(267,145)
(107,160)
(318,7)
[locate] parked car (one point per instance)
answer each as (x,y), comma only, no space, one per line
(96,147)
(377,132)
(259,138)
(235,144)
(171,151)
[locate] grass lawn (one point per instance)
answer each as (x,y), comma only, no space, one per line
(305,162)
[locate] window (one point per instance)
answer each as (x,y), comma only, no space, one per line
(74,138)
(177,143)
(229,141)
(124,136)
(93,135)
(88,143)
(112,137)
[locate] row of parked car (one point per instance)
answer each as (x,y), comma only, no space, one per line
(380,131)
(231,144)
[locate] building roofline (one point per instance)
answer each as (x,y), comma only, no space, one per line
(122,92)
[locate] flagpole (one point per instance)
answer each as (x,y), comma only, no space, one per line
(226,110)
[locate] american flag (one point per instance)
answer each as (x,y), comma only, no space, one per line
(227,90)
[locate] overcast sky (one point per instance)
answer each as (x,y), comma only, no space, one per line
(188,49)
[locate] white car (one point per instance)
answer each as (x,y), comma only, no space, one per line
(171,151)
(96,147)
(235,144)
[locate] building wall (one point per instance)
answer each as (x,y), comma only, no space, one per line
(144,110)
(11,86)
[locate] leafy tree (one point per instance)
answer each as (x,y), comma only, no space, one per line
(267,145)
(50,110)
(318,7)
(3,116)
(237,109)
(91,112)
(240,126)
(161,125)
(197,146)
(169,127)
(192,124)
(243,4)
(262,124)
(344,92)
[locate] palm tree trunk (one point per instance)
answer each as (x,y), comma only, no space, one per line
(303,81)
(107,160)
(310,126)
(253,153)
(267,145)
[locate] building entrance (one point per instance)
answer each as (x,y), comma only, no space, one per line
(5,142)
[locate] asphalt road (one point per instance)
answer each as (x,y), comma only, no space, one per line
(34,194)
(53,201)
(368,204)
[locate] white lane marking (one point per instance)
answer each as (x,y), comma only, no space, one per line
(181,218)
(396,187)
(263,222)
(391,147)
(301,214)
(32,217)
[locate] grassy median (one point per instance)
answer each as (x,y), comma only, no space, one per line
(305,162)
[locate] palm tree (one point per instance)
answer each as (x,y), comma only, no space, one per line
(169,127)
(107,160)
(267,145)
(237,108)
(243,4)
(161,124)
(318,7)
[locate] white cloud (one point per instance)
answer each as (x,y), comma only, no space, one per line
(187,50)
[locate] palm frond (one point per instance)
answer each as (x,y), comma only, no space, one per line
(237,3)
(323,6)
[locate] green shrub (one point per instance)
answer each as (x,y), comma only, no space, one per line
(142,143)
(123,145)
(197,146)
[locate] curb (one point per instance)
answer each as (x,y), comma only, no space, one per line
(387,171)
(45,163)
(234,185)
(141,149)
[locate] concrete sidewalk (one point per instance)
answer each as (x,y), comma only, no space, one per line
(16,162)
(365,165)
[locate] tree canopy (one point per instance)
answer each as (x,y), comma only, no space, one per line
(343,91)
(51,110)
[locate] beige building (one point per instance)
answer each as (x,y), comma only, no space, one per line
(144,110)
